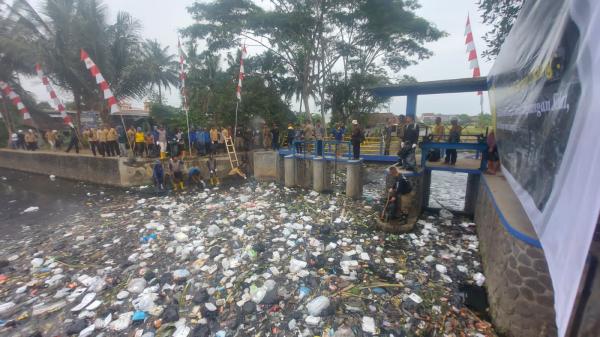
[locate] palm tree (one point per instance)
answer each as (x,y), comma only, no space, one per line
(160,67)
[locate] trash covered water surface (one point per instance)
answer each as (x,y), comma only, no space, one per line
(252,260)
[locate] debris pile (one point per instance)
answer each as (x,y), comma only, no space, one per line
(256,260)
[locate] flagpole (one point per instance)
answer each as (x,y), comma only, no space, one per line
(187,117)
(237,104)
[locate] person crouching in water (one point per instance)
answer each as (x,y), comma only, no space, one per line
(212,170)
(400,187)
(176,168)
(195,178)
(158,176)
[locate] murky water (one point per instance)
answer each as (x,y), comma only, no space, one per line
(57,200)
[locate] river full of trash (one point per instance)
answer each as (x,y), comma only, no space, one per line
(253,260)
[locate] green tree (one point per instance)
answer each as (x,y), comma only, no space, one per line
(161,67)
(373,31)
(500,15)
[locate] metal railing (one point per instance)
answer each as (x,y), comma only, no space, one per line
(478,147)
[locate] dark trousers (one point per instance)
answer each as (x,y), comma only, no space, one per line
(102,148)
(139,149)
(450,156)
(290,142)
(319,148)
(114,148)
(356,151)
(275,143)
(386,149)
(94,146)
(299,147)
(73,143)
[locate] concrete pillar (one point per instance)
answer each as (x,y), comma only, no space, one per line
(289,167)
(354,179)
(471,195)
(426,188)
(280,170)
(304,172)
(321,175)
(411,106)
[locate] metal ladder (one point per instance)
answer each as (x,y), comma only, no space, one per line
(233,159)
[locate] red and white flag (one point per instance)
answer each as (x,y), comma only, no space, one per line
(238,91)
(472,51)
(95,71)
(182,74)
(57,102)
(15,99)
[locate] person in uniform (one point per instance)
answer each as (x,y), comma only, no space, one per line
(400,187)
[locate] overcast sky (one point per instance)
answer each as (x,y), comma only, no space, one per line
(161,20)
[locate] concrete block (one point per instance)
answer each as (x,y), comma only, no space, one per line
(354,179)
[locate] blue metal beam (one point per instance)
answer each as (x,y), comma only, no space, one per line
(411,106)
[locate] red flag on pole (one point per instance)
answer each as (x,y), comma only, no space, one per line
(95,71)
(15,99)
(472,51)
(57,102)
(182,74)
(238,91)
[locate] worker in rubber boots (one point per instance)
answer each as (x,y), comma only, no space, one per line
(400,187)
(195,178)
(212,170)
(158,176)
(176,169)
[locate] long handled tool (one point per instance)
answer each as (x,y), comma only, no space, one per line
(387,203)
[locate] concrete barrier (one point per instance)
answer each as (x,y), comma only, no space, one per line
(105,171)
(322,172)
(290,171)
(354,178)
(517,278)
(266,165)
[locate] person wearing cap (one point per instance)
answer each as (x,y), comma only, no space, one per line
(356,138)
(290,135)
(21,140)
(14,141)
(139,142)
(30,140)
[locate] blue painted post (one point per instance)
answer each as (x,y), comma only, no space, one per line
(411,106)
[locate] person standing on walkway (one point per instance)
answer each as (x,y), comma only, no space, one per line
(439,135)
(357,137)
(162,141)
(387,137)
(319,135)
(139,142)
(299,138)
(338,135)
(274,137)
(31,140)
(214,139)
(266,137)
(290,136)
(113,143)
(102,136)
(409,144)
(131,139)
(51,138)
(74,142)
(493,160)
(453,137)
(93,141)
(122,141)
(309,135)
(149,140)
(14,141)
(21,140)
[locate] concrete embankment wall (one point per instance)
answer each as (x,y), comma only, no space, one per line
(517,278)
(98,170)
